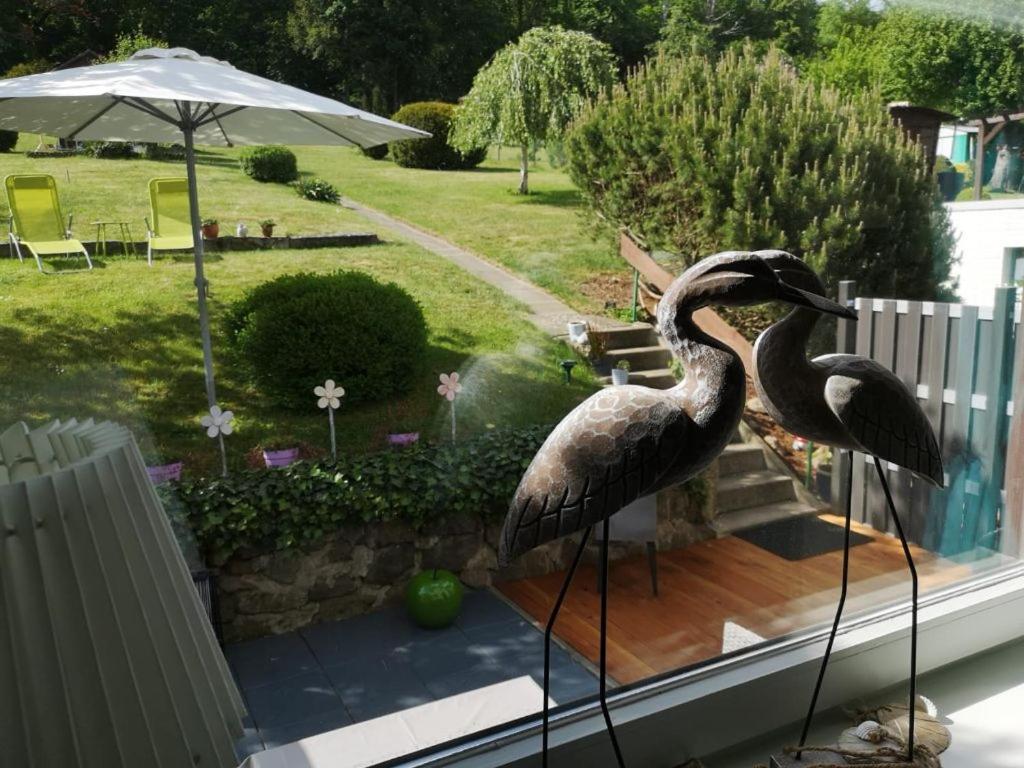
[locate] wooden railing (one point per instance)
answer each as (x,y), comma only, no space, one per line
(660,278)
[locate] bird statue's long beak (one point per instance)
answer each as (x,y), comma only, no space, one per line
(801,298)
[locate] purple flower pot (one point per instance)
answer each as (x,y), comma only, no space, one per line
(402,439)
(281,458)
(165,473)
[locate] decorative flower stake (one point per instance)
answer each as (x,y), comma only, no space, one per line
(448,389)
(218,424)
(330,395)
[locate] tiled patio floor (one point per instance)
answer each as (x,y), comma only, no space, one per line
(331,675)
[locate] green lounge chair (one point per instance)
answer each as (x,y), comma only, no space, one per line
(172,221)
(37,221)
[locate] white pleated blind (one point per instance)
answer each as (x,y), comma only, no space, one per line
(107,659)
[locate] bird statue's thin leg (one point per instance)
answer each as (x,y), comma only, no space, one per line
(913,609)
(604,645)
(547,641)
(839,608)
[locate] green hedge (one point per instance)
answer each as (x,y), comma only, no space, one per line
(298,504)
(8,140)
(263,509)
(269,163)
(434,153)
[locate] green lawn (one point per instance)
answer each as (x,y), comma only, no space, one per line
(541,236)
(92,189)
(121,342)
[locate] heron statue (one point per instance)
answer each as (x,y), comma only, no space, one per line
(626,442)
(851,403)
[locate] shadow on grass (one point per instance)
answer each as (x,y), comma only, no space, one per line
(557,198)
(144,369)
(212,159)
(60,264)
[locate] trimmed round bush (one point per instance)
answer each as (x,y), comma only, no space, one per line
(297,331)
(434,153)
(8,140)
(269,163)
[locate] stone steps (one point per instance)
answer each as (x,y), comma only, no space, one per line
(750,517)
(639,335)
(741,457)
(642,347)
(657,378)
(751,489)
(640,358)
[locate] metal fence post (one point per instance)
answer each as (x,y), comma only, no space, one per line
(846,338)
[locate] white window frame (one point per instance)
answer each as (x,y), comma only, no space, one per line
(722,703)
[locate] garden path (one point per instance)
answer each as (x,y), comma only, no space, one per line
(546,312)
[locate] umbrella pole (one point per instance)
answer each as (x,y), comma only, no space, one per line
(197,244)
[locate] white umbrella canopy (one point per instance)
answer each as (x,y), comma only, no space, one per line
(151,96)
(169,95)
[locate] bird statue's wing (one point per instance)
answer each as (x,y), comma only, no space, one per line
(882,414)
(608,452)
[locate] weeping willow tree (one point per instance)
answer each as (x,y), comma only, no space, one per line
(530,90)
(701,155)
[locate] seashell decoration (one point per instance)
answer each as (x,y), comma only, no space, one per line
(871,731)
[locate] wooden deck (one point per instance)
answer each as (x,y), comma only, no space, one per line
(708,584)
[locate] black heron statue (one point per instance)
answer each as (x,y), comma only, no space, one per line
(847,402)
(626,442)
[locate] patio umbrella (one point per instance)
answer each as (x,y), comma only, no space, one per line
(171,95)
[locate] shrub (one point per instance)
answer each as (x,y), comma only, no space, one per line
(269,163)
(299,504)
(111,150)
(434,153)
(378,152)
(152,151)
(8,140)
(298,330)
(33,67)
(317,189)
(700,155)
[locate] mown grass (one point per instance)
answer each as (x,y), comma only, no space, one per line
(541,236)
(121,342)
(94,190)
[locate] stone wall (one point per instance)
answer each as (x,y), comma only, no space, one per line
(359,568)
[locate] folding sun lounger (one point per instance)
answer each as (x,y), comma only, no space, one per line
(171,228)
(38,223)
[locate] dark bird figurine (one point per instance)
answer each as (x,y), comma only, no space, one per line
(626,442)
(847,402)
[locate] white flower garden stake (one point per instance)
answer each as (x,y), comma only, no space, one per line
(218,424)
(330,395)
(448,389)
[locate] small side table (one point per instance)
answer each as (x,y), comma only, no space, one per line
(127,242)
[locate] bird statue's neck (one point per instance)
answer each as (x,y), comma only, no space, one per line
(714,384)
(787,339)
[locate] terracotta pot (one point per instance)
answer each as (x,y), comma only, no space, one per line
(281,458)
(268,231)
(211,231)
